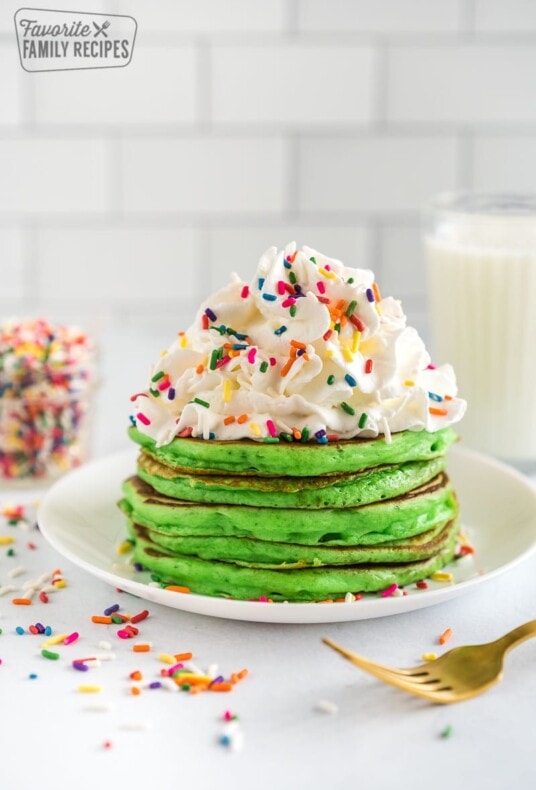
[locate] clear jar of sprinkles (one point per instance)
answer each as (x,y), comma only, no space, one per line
(47,385)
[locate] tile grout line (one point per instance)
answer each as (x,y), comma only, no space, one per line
(203,261)
(291,22)
(380,98)
(114,162)
(332,219)
(262,132)
(468,18)
(30,259)
(237,38)
(375,250)
(465,164)
(291,189)
(203,85)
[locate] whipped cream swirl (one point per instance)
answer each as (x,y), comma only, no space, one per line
(308,350)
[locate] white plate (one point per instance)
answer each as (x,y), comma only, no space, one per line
(80,518)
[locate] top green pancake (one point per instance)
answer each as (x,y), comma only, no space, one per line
(296,459)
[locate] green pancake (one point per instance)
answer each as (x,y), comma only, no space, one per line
(297,459)
(229,580)
(394,519)
(292,522)
(341,490)
(255,553)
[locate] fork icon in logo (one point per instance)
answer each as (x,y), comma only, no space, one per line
(102,29)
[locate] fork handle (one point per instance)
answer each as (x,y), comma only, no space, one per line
(518,635)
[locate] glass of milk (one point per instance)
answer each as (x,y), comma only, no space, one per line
(481,267)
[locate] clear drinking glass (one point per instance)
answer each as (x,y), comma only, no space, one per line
(481,267)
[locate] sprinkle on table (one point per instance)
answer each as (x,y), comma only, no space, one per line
(57,639)
(167,658)
(445,636)
(50,654)
(137,618)
(325,706)
(142,647)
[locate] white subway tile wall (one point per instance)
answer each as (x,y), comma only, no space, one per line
(293,85)
(140,264)
(206,16)
(12,267)
(474,83)
(233,249)
(381,16)
(505,162)
(513,16)
(127,195)
(107,97)
(40,176)
(10,85)
(378,175)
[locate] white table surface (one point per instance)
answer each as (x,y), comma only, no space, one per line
(378,738)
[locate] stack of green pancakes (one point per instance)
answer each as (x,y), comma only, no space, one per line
(292,522)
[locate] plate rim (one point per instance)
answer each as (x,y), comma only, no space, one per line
(277,612)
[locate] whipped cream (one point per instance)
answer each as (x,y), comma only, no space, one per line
(308,349)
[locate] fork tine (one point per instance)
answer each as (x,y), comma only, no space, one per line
(440,695)
(424,671)
(379,670)
(392,676)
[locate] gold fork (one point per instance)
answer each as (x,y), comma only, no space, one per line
(459,674)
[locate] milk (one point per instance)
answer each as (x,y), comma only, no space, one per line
(482,289)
